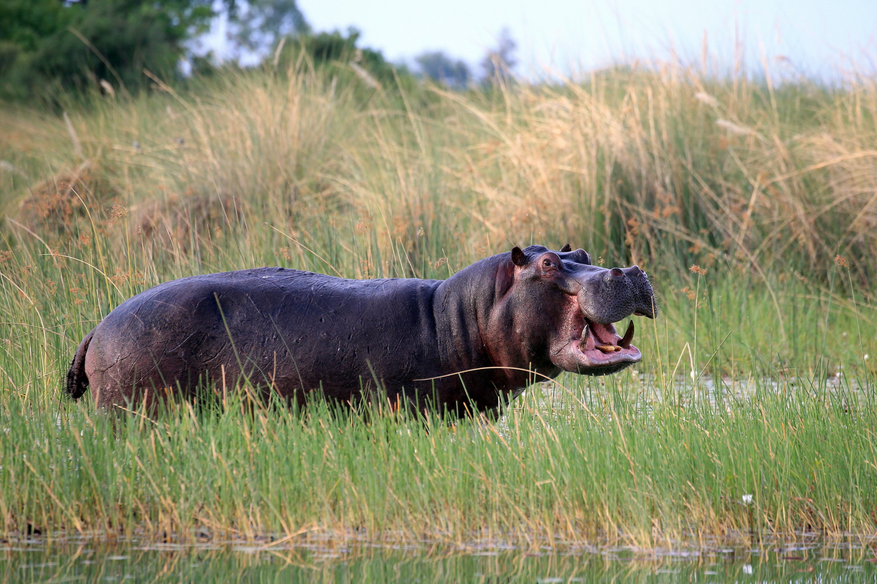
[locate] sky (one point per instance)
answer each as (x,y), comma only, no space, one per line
(806,37)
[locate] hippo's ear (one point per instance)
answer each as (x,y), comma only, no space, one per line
(566,247)
(518,257)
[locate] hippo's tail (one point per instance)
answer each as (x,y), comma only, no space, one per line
(77,380)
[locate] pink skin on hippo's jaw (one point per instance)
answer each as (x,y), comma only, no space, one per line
(587,341)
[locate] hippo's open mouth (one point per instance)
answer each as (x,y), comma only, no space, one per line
(600,349)
(604,339)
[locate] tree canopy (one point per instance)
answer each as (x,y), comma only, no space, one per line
(52,46)
(499,62)
(260,24)
(47,45)
(436,65)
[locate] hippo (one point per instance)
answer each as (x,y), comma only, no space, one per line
(466,344)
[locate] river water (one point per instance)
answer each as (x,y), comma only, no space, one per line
(84,561)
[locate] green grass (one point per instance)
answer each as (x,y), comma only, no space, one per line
(758,377)
(606,460)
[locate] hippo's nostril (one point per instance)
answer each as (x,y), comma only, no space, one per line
(616,272)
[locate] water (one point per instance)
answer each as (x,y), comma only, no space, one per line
(33,561)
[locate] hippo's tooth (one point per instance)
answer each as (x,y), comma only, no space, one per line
(607,348)
(628,336)
(586,339)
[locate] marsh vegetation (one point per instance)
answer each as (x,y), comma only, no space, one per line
(752,206)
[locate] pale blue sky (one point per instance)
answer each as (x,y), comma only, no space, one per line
(817,37)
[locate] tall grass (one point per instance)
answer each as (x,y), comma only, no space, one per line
(757,378)
(668,168)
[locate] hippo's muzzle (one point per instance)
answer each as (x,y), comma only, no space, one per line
(603,297)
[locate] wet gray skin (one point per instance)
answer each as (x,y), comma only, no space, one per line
(466,343)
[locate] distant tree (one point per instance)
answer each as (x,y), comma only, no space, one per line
(24,23)
(327,49)
(259,25)
(74,44)
(499,62)
(437,66)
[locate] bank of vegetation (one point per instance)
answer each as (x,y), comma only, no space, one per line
(751,204)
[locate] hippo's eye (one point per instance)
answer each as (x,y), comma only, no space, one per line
(546,263)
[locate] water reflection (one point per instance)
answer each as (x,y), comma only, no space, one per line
(638,393)
(32,561)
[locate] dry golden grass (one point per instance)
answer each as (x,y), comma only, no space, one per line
(665,168)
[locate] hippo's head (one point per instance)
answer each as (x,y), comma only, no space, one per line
(564,310)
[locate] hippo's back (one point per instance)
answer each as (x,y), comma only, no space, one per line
(289,330)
